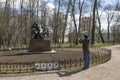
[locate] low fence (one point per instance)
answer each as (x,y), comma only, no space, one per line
(101,55)
(16,67)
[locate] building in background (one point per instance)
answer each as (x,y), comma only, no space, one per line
(86,25)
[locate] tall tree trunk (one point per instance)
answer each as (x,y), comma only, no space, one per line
(108,31)
(109,16)
(37,9)
(65,23)
(94,23)
(99,29)
(74,20)
(80,14)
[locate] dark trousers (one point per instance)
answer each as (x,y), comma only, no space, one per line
(86,60)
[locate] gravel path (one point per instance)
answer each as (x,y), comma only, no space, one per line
(107,71)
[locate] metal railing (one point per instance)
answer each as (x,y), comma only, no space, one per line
(101,55)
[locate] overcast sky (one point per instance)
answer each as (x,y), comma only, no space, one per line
(51,6)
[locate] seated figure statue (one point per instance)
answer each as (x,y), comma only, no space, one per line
(39,32)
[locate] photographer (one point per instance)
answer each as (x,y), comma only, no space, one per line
(86,52)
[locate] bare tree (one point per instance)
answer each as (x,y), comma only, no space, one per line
(7,14)
(73,5)
(77,6)
(99,22)
(1,24)
(38,1)
(94,22)
(81,5)
(116,26)
(109,16)
(55,21)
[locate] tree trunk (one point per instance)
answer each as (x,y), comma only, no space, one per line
(108,31)
(99,29)
(94,23)
(80,12)
(65,23)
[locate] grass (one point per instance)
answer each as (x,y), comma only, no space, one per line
(66,45)
(12,47)
(101,44)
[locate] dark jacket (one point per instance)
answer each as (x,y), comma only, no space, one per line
(85,45)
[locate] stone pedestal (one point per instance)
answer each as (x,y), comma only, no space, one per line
(39,45)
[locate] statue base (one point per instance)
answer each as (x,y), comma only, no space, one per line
(39,46)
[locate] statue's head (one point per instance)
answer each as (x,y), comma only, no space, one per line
(34,25)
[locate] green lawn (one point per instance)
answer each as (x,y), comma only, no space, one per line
(65,45)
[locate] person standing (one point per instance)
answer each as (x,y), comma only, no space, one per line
(86,52)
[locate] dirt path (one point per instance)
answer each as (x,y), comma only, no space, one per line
(107,71)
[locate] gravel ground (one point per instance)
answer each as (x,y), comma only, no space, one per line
(22,56)
(107,71)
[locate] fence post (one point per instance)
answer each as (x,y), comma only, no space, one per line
(0,67)
(20,66)
(64,64)
(70,64)
(33,66)
(80,62)
(75,63)
(27,67)
(6,66)
(13,67)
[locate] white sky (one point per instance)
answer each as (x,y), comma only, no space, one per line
(17,2)
(51,6)
(103,16)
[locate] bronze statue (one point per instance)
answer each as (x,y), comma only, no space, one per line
(39,32)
